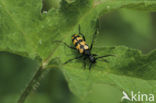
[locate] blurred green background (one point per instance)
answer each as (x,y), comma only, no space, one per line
(135,29)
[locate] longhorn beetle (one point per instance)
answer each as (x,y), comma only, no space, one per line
(80,45)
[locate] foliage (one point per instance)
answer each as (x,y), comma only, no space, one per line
(26,30)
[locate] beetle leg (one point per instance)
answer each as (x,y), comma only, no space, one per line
(93,39)
(73,59)
(90,65)
(66,45)
(84,62)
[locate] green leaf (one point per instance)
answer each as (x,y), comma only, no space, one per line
(129,70)
(25,31)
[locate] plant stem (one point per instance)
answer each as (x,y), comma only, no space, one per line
(31,85)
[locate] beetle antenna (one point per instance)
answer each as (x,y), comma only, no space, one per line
(104,60)
(104,56)
(97,23)
(79,29)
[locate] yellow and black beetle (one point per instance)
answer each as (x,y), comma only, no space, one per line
(80,45)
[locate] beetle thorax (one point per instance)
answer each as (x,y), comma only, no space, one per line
(92,59)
